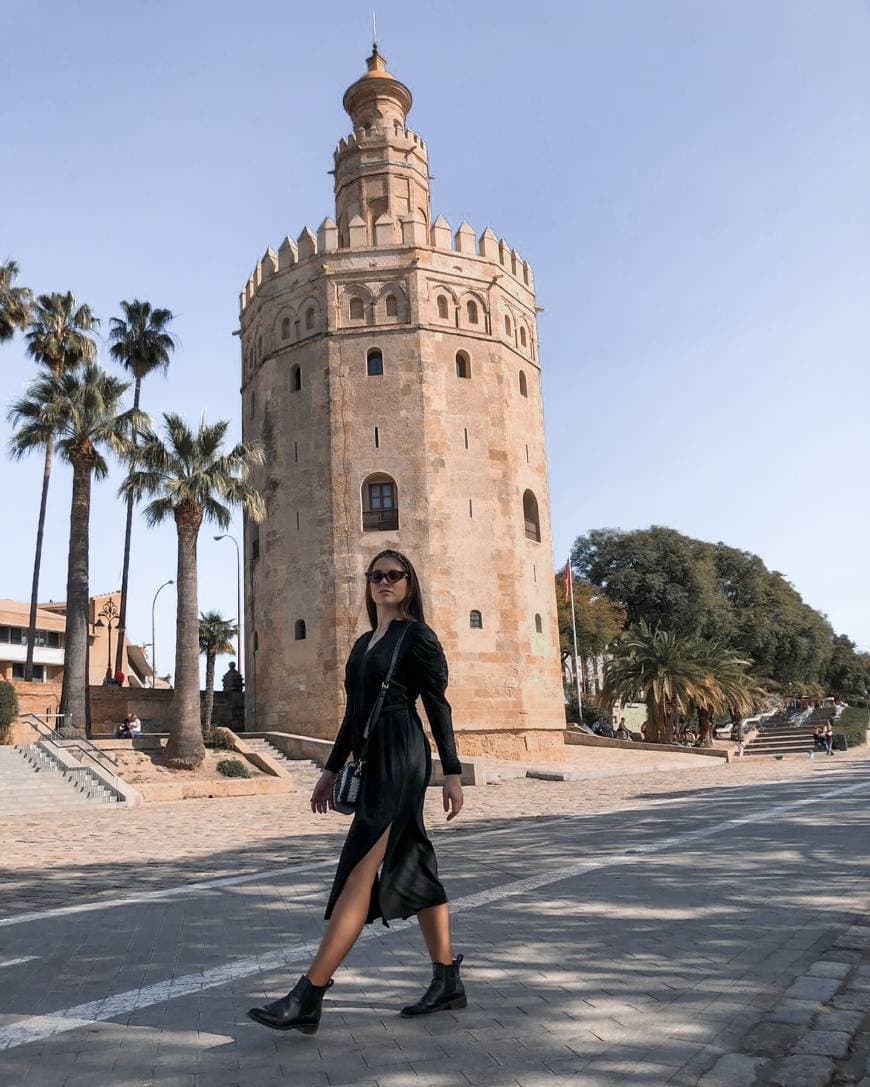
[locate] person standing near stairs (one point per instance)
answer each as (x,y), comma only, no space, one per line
(828,737)
(388,868)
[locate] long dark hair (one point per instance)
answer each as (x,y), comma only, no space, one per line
(409,608)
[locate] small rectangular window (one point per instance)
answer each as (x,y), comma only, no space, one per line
(252,406)
(255,549)
(377,439)
(527,454)
(466,437)
(256,640)
(470,509)
(297,520)
(296,451)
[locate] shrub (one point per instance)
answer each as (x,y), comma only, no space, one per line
(8,708)
(217,740)
(233,768)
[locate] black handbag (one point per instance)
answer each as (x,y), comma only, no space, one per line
(346,787)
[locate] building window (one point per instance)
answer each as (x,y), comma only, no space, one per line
(466,437)
(392,306)
(522,336)
(443,311)
(463,364)
(252,406)
(539,626)
(375,362)
(295,378)
(38,672)
(524,387)
(475,620)
(285,329)
(259,347)
(527,453)
(296,329)
(530,516)
(256,640)
(507,325)
(297,520)
(300,630)
(357,310)
(295,452)
(309,318)
(470,509)
(380,505)
(471,310)
(377,439)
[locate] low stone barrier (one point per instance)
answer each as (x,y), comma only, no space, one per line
(162,792)
(583,739)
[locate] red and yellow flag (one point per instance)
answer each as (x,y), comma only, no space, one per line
(568,585)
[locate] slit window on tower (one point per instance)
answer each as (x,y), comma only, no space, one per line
(472,311)
(309,318)
(507,324)
(285,329)
(377,439)
(252,406)
(524,385)
(296,451)
(297,520)
(256,640)
(475,620)
(357,310)
(300,630)
(523,340)
(470,509)
(466,437)
(463,364)
(375,362)
(392,306)
(443,311)
(295,378)
(527,454)
(539,626)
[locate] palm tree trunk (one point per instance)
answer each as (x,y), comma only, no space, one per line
(37,562)
(185,749)
(208,707)
(73,699)
(705,727)
(125,570)
(655,725)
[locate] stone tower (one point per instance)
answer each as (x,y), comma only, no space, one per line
(390,368)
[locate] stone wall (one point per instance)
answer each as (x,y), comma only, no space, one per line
(110,705)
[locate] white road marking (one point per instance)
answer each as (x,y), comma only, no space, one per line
(37,1027)
(464,832)
(15,962)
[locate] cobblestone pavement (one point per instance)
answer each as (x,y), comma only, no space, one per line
(620,931)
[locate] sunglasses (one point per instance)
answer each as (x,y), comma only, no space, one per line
(390,576)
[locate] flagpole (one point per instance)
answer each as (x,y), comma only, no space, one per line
(576,659)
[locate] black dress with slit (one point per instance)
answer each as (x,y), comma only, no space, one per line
(398,767)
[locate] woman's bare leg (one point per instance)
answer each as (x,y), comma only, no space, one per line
(348,915)
(435,925)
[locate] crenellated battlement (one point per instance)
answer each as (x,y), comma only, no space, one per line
(360,138)
(410,231)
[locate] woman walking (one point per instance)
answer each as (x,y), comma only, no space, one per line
(387,831)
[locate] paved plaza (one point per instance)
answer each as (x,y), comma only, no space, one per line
(668,928)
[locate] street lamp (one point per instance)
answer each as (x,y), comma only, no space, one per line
(106,617)
(153,636)
(238,598)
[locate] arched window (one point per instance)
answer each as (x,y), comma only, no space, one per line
(392,306)
(259,347)
(380,506)
(285,329)
(539,626)
(475,620)
(300,630)
(463,364)
(309,318)
(523,341)
(375,362)
(295,379)
(471,310)
(443,311)
(530,516)
(524,387)
(357,310)
(507,324)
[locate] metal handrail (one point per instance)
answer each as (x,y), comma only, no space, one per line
(82,742)
(81,777)
(83,747)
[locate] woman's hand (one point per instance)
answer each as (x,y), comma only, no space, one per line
(321,798)
(452,792)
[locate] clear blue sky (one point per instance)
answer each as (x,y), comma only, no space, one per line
(689,181)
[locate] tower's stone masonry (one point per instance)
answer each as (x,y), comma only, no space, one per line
(390,368)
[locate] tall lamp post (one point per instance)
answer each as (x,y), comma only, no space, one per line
(108,614)
(153,637)
(238,598)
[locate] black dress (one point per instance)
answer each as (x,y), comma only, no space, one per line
(398,767)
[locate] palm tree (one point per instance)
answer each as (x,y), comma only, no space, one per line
(730,686)
(140,342)
(80,410)
(57,339)
(15,302)
(189,478)
(215,638)
(661,668)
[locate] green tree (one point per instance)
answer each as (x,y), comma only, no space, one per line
(847,674)
(58,340)
(190,478)
(8,708)
(215,638)
(730,686)
(141,342)
(80,410)
(15,302)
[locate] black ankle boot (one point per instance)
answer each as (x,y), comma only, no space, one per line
(445,992)
(300,1009)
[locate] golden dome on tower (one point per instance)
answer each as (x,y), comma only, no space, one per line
(377,95)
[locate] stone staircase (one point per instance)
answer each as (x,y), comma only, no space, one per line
(777,737)
(31,783)
(305,772)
